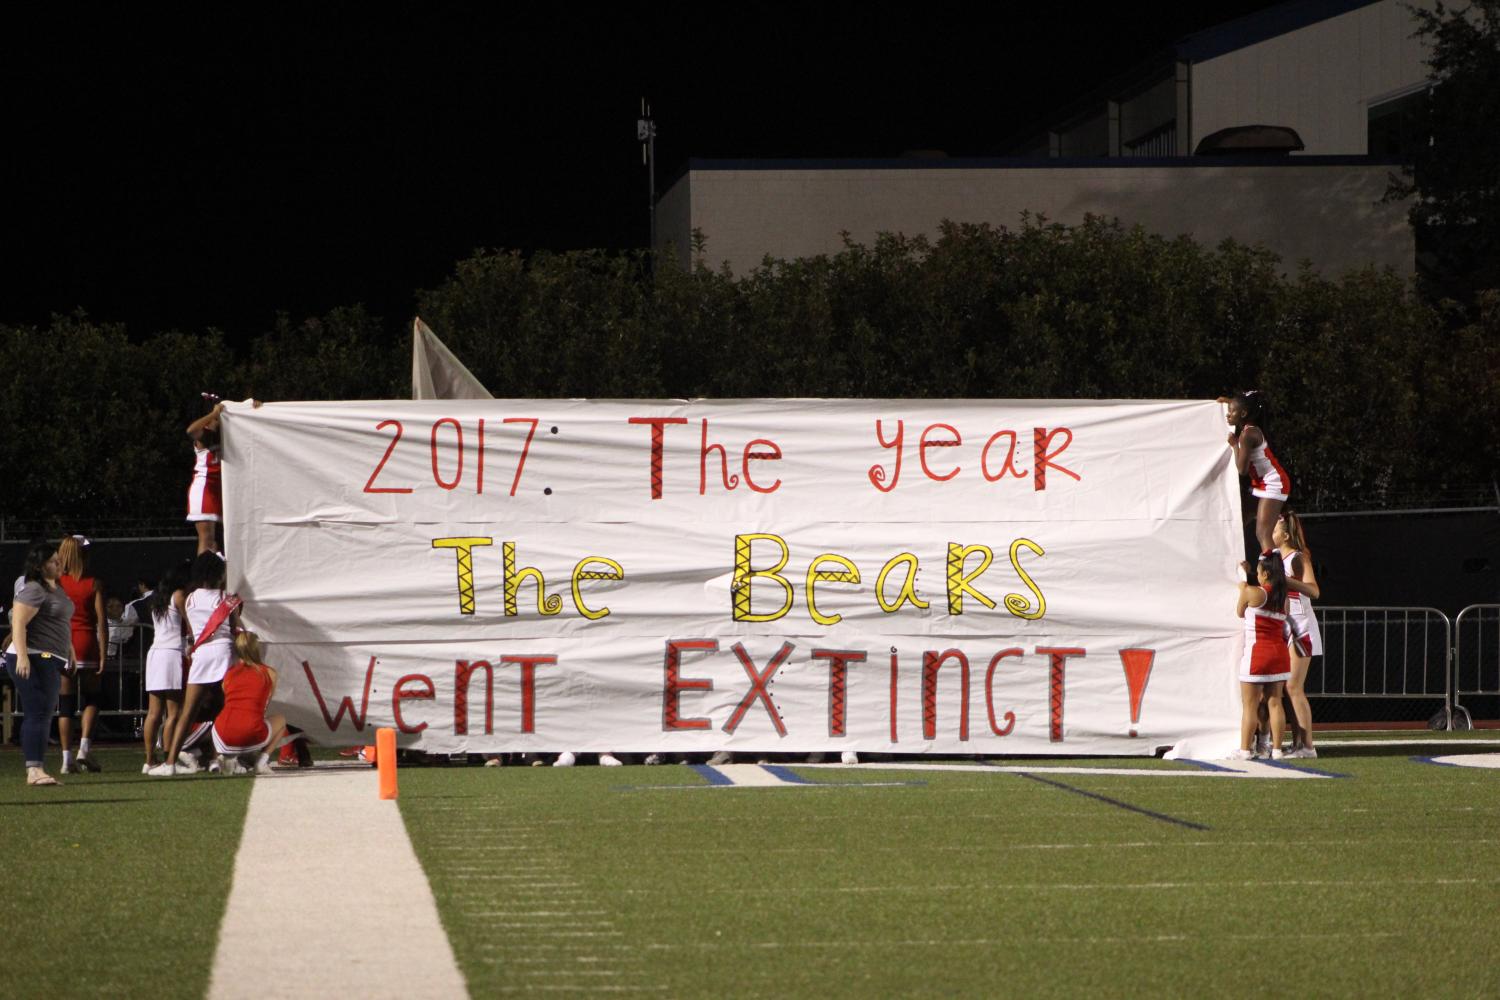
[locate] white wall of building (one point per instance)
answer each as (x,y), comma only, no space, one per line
(1329,214)
(1319,80)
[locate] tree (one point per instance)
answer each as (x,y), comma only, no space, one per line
(1454,176)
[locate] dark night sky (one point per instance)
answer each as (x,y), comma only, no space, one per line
(207,166)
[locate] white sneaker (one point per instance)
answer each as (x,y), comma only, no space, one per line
(216,766)
(652,760)
(565,759)
(1240,755)
(721,757)
(145,768)
(264,767)
(1303,753)
(609,760)
(166,770)
(1277,754)
(188,763)
(849,757)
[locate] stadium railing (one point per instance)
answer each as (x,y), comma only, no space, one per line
(1476,656)
(1403,654)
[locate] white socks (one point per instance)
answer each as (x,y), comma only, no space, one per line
(67,759)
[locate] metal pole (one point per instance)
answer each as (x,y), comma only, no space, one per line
(645,132)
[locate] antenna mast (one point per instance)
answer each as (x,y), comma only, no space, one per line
(645,132)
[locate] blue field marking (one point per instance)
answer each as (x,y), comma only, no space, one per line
(1433,761)
(786,774)
(712,775)
(1116,803)
(1204,765)
(1304,770)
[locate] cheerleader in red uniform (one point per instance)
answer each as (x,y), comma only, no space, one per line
(242,726)
(205,501)
(1269,482)
(1266,666)
(90,640)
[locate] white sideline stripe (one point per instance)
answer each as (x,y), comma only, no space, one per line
(1432,741)
(329,899)
(1223,769)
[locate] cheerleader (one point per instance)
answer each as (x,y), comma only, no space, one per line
(205,501)
(1266,666)
(242,726)
(1269,482)
(211,616)
(164,671)
(90,640)
(1307,639)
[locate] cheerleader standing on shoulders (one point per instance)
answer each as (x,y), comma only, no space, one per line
(205,501)
(1266,666)
(1269,482)
(242,726)
(1307,638)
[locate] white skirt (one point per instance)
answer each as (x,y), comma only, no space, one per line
(211,661)
(163,670)
(1305,632)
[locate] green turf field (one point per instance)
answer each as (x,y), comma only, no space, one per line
(1383,882)
(864,883)
(114,884)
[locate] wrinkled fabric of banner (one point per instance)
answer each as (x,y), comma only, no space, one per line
(958,577)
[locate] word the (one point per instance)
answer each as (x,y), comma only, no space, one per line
(512,578)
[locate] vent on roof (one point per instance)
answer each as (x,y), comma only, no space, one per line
(1243,140)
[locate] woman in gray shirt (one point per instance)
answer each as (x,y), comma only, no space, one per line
(43,650)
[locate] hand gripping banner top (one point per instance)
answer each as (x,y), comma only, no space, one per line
(965,576)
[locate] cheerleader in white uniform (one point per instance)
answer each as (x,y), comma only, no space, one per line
(211,618)
(1307,640)
(1269,482)
(164,672)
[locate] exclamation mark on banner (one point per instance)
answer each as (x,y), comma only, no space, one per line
(1137,663)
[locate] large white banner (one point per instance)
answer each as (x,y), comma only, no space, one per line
(976,576)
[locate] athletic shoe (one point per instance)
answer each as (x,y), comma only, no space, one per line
(1303,753)
(652,760)
(216,765)
(494,762)
(87,763)
(288,756)
(1239,755)
(187,763)
(264,767)
(71,767)
(1277,754)
(146,768)
(166,770)
(565,759)
(721,757)
(609,760)
(849,757)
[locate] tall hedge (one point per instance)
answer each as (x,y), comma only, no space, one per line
(1376,391)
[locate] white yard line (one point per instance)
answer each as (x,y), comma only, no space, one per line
(329,899)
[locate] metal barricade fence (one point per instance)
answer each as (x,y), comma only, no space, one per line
(1379,652)
(122,688)
(1476,655)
